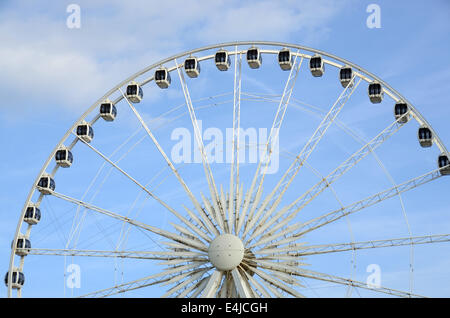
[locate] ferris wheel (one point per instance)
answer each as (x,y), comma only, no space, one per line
(156,203)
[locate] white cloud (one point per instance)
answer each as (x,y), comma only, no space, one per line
(269,19)
(45,63)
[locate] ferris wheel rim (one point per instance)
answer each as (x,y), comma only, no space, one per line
(395,95)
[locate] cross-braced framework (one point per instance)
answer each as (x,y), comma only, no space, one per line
(247,242)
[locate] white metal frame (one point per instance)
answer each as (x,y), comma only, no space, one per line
(210,286)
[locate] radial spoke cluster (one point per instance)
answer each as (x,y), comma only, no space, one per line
(232,280)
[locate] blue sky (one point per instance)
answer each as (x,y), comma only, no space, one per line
(51,74)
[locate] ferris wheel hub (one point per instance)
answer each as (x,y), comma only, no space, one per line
(226,252)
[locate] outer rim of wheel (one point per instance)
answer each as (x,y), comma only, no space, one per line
(364,74)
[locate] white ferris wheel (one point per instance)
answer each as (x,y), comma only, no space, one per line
(215,221)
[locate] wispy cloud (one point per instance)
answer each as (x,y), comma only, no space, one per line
(44,62)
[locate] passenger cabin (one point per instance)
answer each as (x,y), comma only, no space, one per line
(222,60)
(285,59)
(63,157)
(134,92)
(23,246)
(192,67)
(254,58)
(444,165)
(425,137)
(32,215)
(108,110)
(85,132)
(400,109)
(375,91)
(46,184)
(162,77)
(316,65)
(346,76)
(17,281)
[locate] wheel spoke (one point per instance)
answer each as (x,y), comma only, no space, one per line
(193,286)
(330,278)
(193,277)
(151,194)
(199,288)
(268,285)
(156,255)
(299,229)
(213,213)
(123,288)
(277,283)
(295,207)
(189,233)
(275,129)
(213,285)
(189,242)
(258,178)
(166,158)
(234,172)
(289,279)
(371,200)
(208,173)
(274,198)
(333,248)
(257,285)
(182,273)
(158,278)
(350,282)
(240,284)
